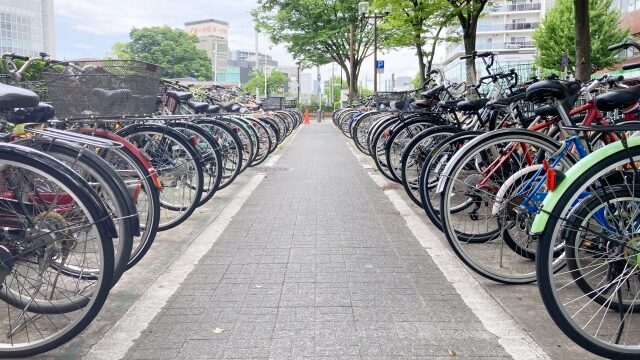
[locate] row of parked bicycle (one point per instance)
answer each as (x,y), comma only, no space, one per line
(530,182)
(83,193)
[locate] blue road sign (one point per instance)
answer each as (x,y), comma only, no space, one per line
(380,65)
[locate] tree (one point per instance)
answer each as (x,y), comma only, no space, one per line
(276,82)
(338,85)
(173,49)
(557,33)
(318,32)
(583,43)
(468,12)
(419,24)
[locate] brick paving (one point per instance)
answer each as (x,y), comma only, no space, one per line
(317,264)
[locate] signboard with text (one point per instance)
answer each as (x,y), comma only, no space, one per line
(208,29)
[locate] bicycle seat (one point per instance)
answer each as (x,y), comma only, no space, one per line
(506,101)
(617,99)
(179,95)
(12,97)
(570,96)
(398,105)
(472,105)
(424,103)
(449,105)
(542,91)
(198,106)
(37,114)
(432,93)
(212,109)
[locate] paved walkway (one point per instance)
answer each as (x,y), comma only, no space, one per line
(316,264)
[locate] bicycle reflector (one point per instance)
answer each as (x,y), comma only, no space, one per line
(554,176)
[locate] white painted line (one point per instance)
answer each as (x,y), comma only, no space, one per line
(117,341)
(517,342)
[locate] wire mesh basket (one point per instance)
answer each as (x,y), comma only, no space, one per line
(102,88)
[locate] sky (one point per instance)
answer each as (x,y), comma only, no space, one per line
(88,28)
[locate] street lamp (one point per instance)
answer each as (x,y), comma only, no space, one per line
(363,11)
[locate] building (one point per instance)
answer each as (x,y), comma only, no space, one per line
(506,28)
(213,36)
(26,27)
(292,73)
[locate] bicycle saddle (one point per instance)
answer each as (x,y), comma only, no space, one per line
(179,95)
(37,114)
(506,101)
(12,97)
(432,93)
(198,106)
(212,109)
(542,91)
(617,99)
(450,104)
(472,105)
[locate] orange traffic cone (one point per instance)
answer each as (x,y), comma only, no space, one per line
(306,117)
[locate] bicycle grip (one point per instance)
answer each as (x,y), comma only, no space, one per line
(630,66)
(465,57)
(615,47)
(19,57)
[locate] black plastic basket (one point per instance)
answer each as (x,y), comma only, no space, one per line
(273,103)
(102,88)
(389,96)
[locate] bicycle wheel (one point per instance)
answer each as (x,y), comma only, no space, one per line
(379,148)
(432,169)
(178,167)
(473,220)
(400,136)
(52,219)
(595,300)
(146,195)
(230,148)
(264,139)
(141,181)
(248,145)
(209,151)
(110,189)
(415,154)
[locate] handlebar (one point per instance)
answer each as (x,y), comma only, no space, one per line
(18,57)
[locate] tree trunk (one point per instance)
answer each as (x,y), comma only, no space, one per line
(432,54)
(350,79)
(421,65)
(469,37)
(583,43)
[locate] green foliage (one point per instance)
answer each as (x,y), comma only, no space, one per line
(556,34)
(314,31)
(276,82)
(173,49)
(418,24)
(336,88)
(417,81)
(366,92)
(119,50)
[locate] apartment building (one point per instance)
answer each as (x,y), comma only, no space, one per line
(506,28)
(213,36)
(26,27)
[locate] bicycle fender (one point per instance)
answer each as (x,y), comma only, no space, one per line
(552,198)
